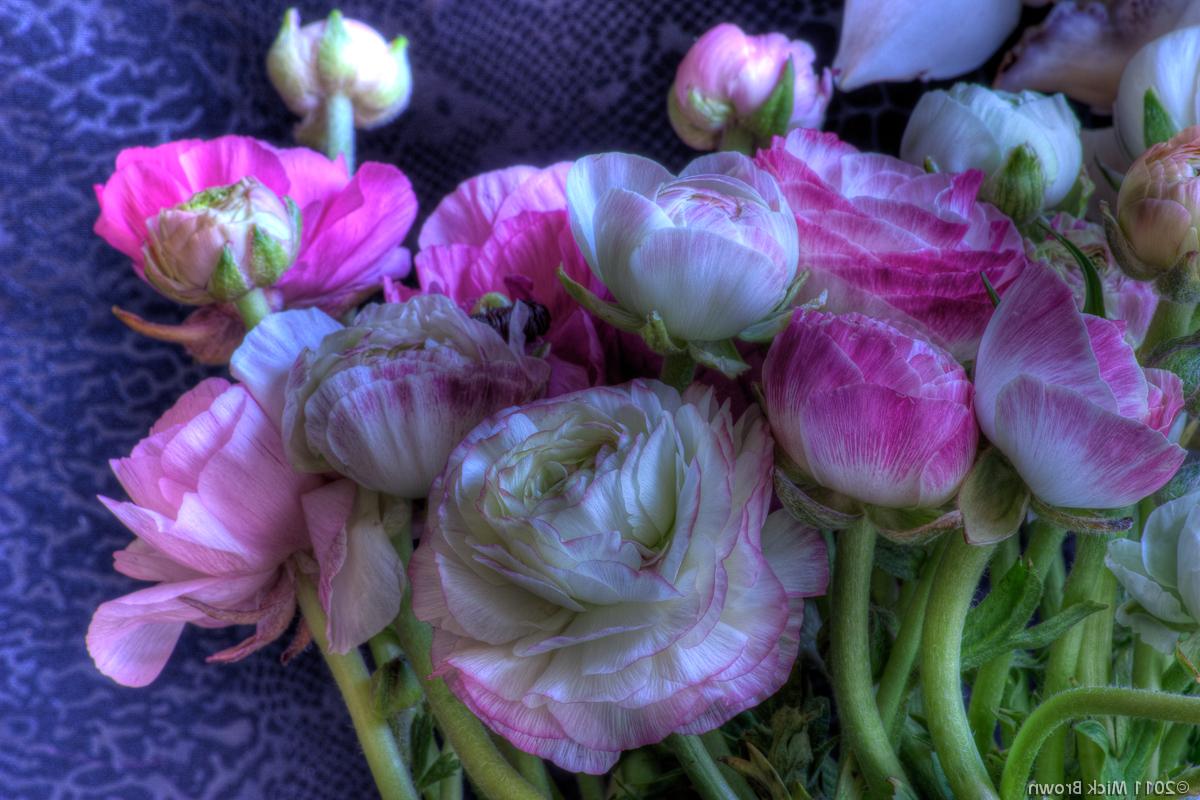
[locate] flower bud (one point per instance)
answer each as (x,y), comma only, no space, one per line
(1155,232)
(222,243)
(340,56)
(1027,143)
(731,86)
(1157,93)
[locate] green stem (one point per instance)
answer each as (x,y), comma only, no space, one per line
(894,683)
(1170,321)
(1093,668)
(850,660)
(718,748)
(338,135)
(591,787)
(992,678)
(354,680)
(533,769)
(706,778)
(1071,704)
(677,370)
(384,646)
(941,669)
(253,307)
(1174,748)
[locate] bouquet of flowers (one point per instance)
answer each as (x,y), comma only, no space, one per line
(802,472)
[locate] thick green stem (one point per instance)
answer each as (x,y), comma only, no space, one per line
(718,748)
(850,661)
(1173,749)
(992,678)
(677,370)
(894,683)
(354,680)
(1170,321)
(941,669)
(1095,659)
(338,135)
(1071,704)
(703,772)
(253,307)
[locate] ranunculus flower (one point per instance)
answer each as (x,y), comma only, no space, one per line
(1130,301)
(352,227)
(506,232)
(727,76)
(1081,49)
(385,400)
(218,513)
(869,410)
(1169,66)
(600,571)
(882,237)
(1158,210)
(1160,574)
(712,251)
(904,40)
(973,127)
(343,56)
(1061,394)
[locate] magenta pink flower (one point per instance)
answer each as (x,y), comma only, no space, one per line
(1061,394)
(884,238)
(352,226)
(870,411)
(600,571)
(218,513)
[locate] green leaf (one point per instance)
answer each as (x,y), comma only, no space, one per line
(993,499)
(1040,635)
(1094,297)
(991,290)
(1002,615)
(444,766)
(774,115)
(422,738)
(1157,125)
(722,356)
(1094,729)
(898,560)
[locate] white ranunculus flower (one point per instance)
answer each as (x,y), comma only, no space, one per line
(973,127)
(1170,65)
(600,571)
(1161,574)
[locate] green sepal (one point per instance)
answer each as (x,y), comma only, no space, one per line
(1093,302)
(807,505)
(1082,520)
(991,290)
(766,330)
(1157,125)
(1111,176)
(394,688)
(913,526)
(227,282)
(1019,187)
(993,499)
(775,114)
(268,259)
(1182,357)
(720,355)
(611,313)
(1122,251)
(654,332)
(332,65)
(1181,283)
(930,166)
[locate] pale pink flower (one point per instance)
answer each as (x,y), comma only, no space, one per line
(870,411)
(1061,394)
(1158,206)
(218,514)
(887,239)
(352,227)
(600,571)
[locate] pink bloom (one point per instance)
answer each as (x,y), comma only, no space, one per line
(600,571)
(218,513)
(1061,394)
(507,232)
(352,226)
(727,76)
(884,238)
(870,411)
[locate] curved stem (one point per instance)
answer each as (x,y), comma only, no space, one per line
(894,683)
(1047,718)
(354,680)
(677,370)
(941,669)
(703,772)
(992,678)
(253,307)
(850,660)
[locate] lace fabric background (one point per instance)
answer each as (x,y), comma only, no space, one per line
(497,82)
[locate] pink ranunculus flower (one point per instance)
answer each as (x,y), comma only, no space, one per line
(1061,394)
(869,410)
(352,227)
(218,514)
(727,76)
(885,238)
(600,571)
(506,232)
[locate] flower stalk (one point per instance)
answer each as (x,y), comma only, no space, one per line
(703,772)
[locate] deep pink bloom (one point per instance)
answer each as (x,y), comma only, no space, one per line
(1063,397)
(600,571)
(352,226)
(218,512)
(507,232)
(870,411)
(884,238)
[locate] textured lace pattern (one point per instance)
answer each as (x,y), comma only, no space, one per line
(497,82)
